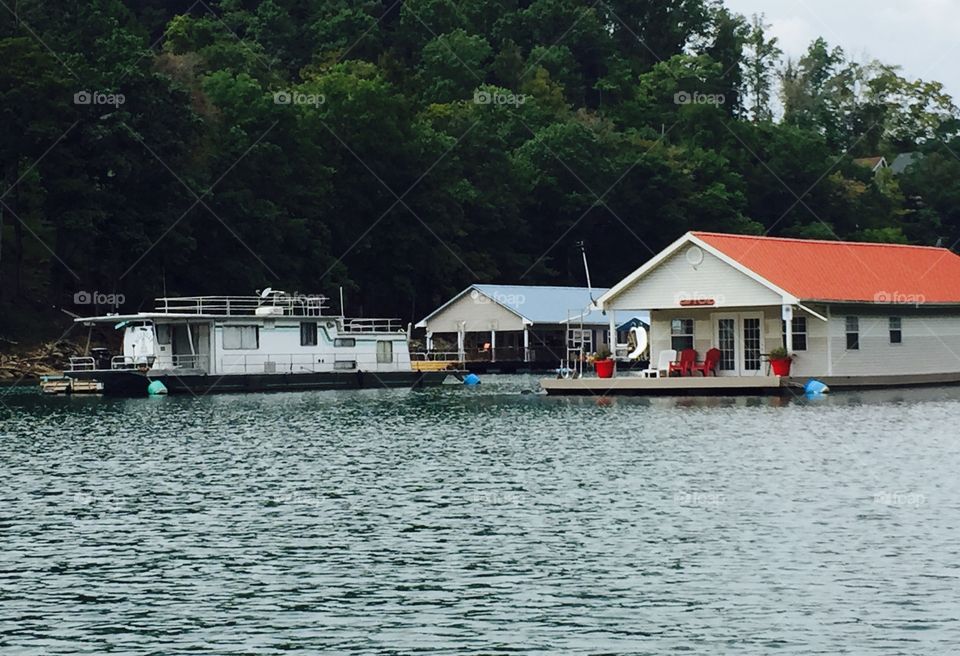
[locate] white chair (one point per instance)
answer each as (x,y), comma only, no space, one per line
(663,365)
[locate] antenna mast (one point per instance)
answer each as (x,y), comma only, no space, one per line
(586,268)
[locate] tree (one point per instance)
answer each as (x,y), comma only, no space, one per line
(762,57)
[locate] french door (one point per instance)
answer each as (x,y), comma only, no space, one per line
(739,336)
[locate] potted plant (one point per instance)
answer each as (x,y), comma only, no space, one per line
(602,363)
(780,361)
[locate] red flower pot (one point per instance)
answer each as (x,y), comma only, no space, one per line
(604,368)
(781,367)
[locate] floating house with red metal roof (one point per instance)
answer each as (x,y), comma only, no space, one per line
(851,314)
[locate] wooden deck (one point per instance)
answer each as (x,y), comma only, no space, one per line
(733,385)
(635,385)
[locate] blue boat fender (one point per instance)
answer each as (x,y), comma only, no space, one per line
(156,388)
(471,379)
(815,387)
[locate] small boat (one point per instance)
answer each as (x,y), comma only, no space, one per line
(272,341)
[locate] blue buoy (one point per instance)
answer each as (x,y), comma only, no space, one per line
(815,387)
(156,388)
(471,380)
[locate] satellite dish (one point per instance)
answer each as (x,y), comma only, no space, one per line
(639,334)
(695,256)
(266,292)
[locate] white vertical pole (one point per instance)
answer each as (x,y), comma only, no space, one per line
(789,344)
(493,345)
(613,334)
(429,342)
(460,352)
(526,343)
(829,342)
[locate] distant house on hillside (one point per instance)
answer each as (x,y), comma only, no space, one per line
(875,164)
(904,161)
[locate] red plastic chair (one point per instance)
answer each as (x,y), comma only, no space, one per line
(688,358)
(710,363)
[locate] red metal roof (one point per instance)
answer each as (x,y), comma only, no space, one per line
(847,271)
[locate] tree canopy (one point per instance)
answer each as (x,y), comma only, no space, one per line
(402,150)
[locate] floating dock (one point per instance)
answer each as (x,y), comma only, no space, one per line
(687,386)
(732,385)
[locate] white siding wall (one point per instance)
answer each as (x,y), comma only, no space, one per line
(676,278)
(480,314)
(931,344)
(280,344)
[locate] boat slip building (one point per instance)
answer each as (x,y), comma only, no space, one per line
(854,314)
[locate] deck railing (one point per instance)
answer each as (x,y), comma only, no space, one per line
(275,304)
(500,354)
(82,363)
(351,325)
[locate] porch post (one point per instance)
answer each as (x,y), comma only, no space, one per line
(787,315)
(460,343)
(429,342)
(612,341)
(493,345)
(526,343)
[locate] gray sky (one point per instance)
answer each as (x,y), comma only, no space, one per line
(919,35)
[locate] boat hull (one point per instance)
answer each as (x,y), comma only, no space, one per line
(134,383)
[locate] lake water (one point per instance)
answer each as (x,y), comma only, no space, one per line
(479,521)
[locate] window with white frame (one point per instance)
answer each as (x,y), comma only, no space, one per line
(245,338)
(896,330)
(681,334)
(799,326)
(853,333)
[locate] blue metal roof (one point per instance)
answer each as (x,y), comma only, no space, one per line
(545,304)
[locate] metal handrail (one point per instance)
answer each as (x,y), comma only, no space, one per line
(269,363)
(296,305)
(82,363)
(355,325)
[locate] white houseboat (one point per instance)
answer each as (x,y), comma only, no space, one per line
(272,341)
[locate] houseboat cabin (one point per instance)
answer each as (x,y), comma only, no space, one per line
(270,341)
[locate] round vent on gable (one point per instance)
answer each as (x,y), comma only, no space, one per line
(695,256)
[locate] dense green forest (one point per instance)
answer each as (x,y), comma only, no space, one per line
(403,149)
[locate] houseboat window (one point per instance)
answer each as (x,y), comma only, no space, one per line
(896,330)
(346,342)
(799,334)
(681,334)
(345,364)
(384,351)
(308,333)
(163,333)
(241,337)
(853,334)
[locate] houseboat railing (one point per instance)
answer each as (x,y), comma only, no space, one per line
(351,325)
(277,363)
(82,363)
(275,304)
(500,354)
(435,356)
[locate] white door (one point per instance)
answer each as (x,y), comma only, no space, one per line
(739,336)
(725,331)
(751,342)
